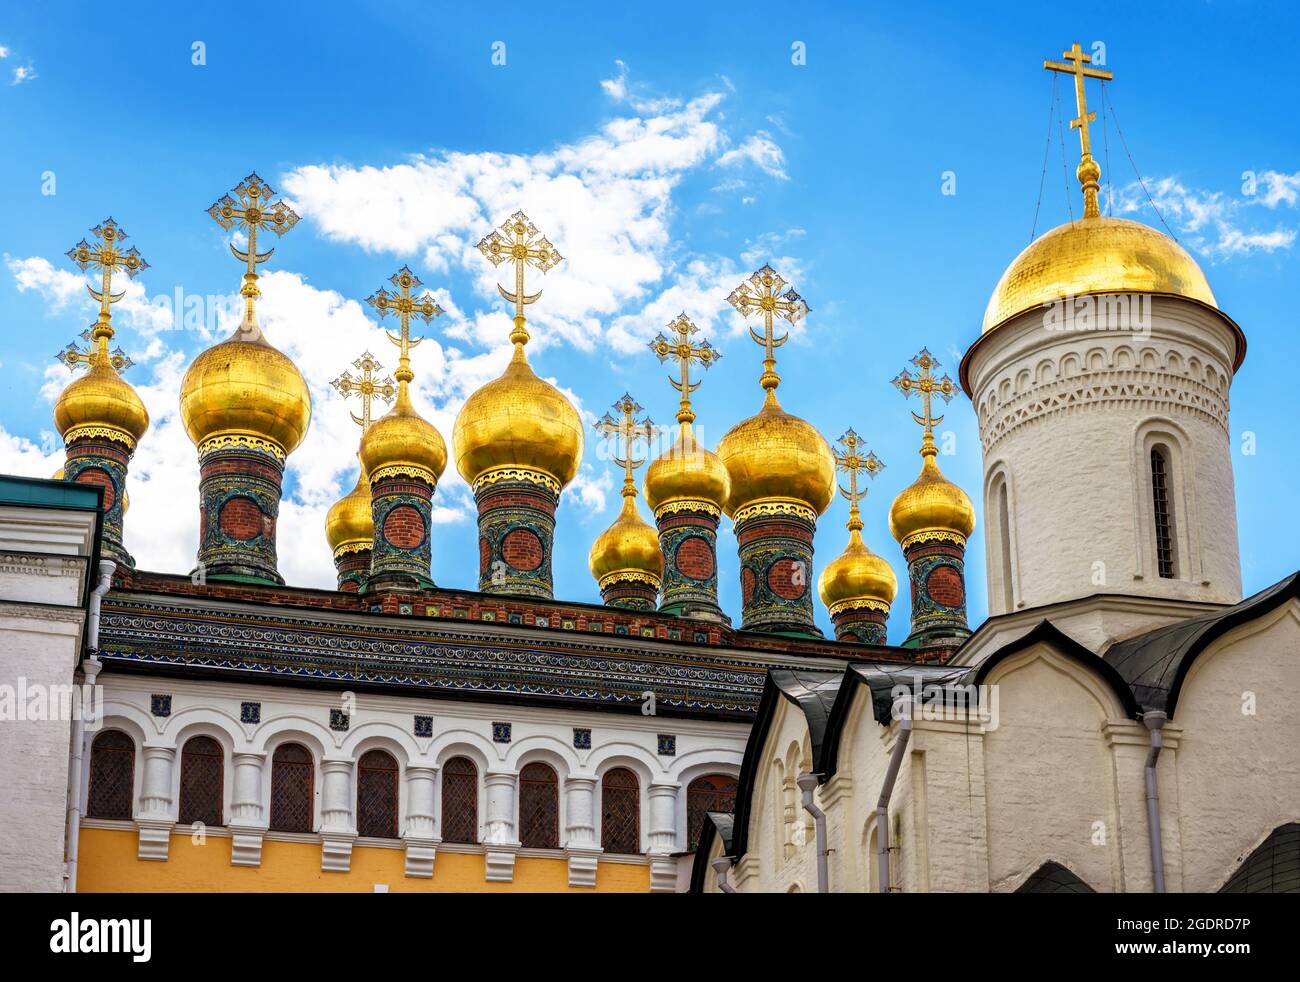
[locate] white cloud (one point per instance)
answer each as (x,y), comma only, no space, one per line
(589,492)
(1276,188)
(23,73)
(760,150)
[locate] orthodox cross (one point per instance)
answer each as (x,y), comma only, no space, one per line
(108,258)
(1089,170)
(925,383)
(627,428)
(523,245)
(368,387)
(686,354)
(852,462)
(405,307)
(252,209)
(766,297)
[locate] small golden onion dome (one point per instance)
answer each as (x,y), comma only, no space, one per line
(777,456)
(857,575)
(349,524)
(687,471)
(1096,255)
(402,441)
(101,402)
(243,387)
(931,505)
(628,547)
(518,421)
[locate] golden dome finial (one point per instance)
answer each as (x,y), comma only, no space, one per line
(349,524)
(627,428)
(1089,172)
(857,578)
(686,354)
(852,462)
(767,298)
(628,551)
(367,388)
(523,245)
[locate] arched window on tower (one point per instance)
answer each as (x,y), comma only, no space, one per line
(459,801)
(1161,497)
(377,782)
(620,812)
(1004,546)
(712,793)
(112,776)
(203,765)
(539,807)
(292,784)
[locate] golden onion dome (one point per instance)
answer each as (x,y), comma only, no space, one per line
(774,455)
(403,442)
(245,388)
(687,471)
(857,577)
(629,547)
(931,506)
(1096,255)
(349,524)
(518,421)
(101,403)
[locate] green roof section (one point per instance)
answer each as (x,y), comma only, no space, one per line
(35,492)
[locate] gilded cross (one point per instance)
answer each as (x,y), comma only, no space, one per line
(519,241)
(252,209)
(925,383)
(687,354)
(368,387)
(768,296)
(405,307)
(1089,170)
(629,429)
(851,460)
(107,258)
(72,356)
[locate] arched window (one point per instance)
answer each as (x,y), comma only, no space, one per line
(620,812)
(112,775)
(1272,868)
(713,793)
(292,779)
(539,807)
(377,776)
(1166,558)
(459,801)
(203,765)
(1004,546)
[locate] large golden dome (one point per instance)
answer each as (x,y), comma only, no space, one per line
(777,456)
(629,548)
(931,507)
(244,388)
(349,524)
(518,421)
(1096,255)
(403,442)
(101,403)
(857,577)
(687,472)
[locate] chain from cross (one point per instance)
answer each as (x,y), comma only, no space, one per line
(927,385)
(523,245)
(629,429)
(251,209)
(853,462)
(368,387)
(107,258)
(405,306)
(1089,171)
(686,354)
(768,296)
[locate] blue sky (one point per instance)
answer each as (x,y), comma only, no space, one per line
(666,157)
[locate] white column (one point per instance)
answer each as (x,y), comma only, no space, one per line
(499,834)
(156,815)
(580,844)
(420,836)
(247,814)
(337,829)
(663,837)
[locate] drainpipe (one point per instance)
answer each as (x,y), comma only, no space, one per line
(902,712)
(1154,722)
(807,784)
(90,666)
(722,866)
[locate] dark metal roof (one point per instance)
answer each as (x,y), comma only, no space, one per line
(814,693)
(1154,664)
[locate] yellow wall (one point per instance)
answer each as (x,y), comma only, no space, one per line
(108,864)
